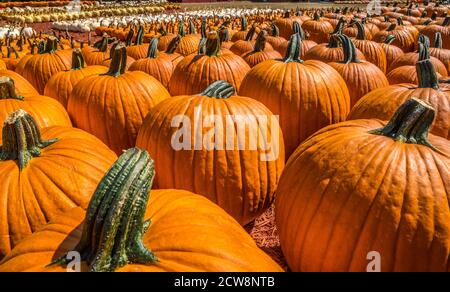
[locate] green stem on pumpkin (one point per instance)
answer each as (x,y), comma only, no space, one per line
(293,50)
(297,28)
(275,30)
(181,30)
(339,26)
(77,60)
(391,27)
(129,38)
(153,48)
(22,139)
(224,35)
(349,50)
(260,43)
(212,46)
(446,21)
(410,123)
(114,224)
(192,27)
(173,44)
(389,39)
(424,48)
(118,60)
(250,33)
(203,29)
(361,35)
(140,36)
(316,16)
(426,74)
(50,46)
(244,23)
(220,89)
(8,89)
(102,45)
(438,40)
(12,50)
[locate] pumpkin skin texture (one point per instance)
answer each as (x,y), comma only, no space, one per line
(382,103)
(346,192)
(239,181)
(318,29)
(98,54)
(405,74)
(404,39)
(259,53)
(307,96)
(216,241)
(61,85)
(23,87)
(41,67)
(361,77)
(45,110)
(63,176)
(392,52)
(329,52)
(112,106)
(195,72)
(159,67)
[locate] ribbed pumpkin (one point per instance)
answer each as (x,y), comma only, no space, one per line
(170,53)
(285,25)
(383,102)
(421,54)
(159,67)
(225,41)
(306,44)
(139,49)
(241,47)
(195,72)
(243,31)
(318,29)
(444,29)
(404,39)
(278,42)
(47,111)
(306,95)
(43,173)
(439,53)
(330,52)
(173,230)
(41,67)
(112,106)
(392,52)
(165,38)
(188,42)
(98,53)
(107,62)
(360,76)
(60,85)
(259,53)
(373,51)
(362,186)
(241,179)
(23,87)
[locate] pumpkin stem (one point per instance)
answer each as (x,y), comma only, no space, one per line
(118,60)
(114,224)
(250,33)
(102,45)
(7,89)
(219,89)
(192,27)
(391,27)
(260,43)
(181,31)
(12,50)
(349,49)
(153,48)
(22,138)
(361,35)
(426,74)
(299,30)
(275,30)
(316,16)
(389,39)
(410,123)
(140,36)
(244,23)
(77,60)
(224,35)
(129,37)
(339,26)
(446,21)
(171,48)
(203,29)
(334,41)
(400,20)
(50,46)
(212,44)
(438,40)
(294,49)
(424,48)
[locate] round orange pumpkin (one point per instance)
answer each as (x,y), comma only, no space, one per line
(241,179)
(174,230)
(112,106)
(23,87)
(43,173)
(364,186)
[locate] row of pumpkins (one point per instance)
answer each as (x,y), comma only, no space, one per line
(367,163)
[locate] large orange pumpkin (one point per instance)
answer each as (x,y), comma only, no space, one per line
(196,71)
(306,95)
(61,85)
(233,167)
(188,42)
(23,87)
(361,189)
(174,230)
(382,103)
(47,111)
(41,67)
(392,52)
(159,67)
(43,175)
(330,52)
(360,76)
(112,106)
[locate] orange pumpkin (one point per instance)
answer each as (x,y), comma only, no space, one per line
(241,179)
(139,49)
(23,87)
(278,42)
(115,115)
(182,223)
(259,53)
(98,53)
(392,52)
(361,77)
(43,174)
(306,95)
(170,53)
(61,85)
(195,72)
(363,186)
(318,29)
(382,103)
(188,42)
(330,52)
(41,67)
